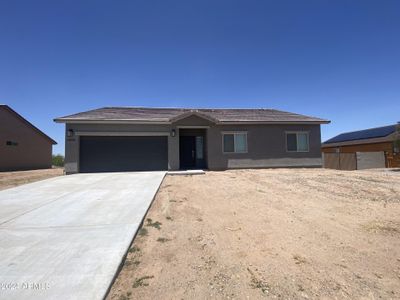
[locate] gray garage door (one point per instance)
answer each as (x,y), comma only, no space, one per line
(116,154)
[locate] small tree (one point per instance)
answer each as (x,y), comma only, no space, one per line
(58,160)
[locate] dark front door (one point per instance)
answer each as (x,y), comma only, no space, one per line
(187,152)
(191,152)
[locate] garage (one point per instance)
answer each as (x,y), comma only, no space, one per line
(123,153)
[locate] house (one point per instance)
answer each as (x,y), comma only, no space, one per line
(363,149)
(22,145)
(135,138)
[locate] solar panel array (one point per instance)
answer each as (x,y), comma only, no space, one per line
(363,134)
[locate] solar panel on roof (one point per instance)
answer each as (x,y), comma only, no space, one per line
(363,134)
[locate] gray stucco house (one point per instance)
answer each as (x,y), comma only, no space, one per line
(137,139)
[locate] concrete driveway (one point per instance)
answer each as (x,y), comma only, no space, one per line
(65,237)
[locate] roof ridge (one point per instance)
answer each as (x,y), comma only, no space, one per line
(192,108)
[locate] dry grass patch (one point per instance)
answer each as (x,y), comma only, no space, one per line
(382,227)
(142,281)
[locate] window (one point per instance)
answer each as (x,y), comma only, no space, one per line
(199,147)
(235,142)
(11,143)
(297,142)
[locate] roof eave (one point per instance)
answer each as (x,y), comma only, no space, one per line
(132,121)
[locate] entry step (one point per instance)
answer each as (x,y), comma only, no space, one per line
(186,172)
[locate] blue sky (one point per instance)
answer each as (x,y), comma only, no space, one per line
(338,60)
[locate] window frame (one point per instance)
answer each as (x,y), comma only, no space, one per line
(297,143)
(234,133)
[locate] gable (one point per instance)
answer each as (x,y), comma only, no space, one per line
(13,126)
(193,120)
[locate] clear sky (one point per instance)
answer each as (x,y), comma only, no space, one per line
(334,59)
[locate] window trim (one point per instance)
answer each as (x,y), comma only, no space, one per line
(297,132)
(234,139)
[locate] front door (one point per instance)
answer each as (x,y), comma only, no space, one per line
(187,152)
(191,152)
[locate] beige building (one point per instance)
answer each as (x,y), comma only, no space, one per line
(22,145)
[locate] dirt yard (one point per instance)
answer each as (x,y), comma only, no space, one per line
(284,233)
(11,179)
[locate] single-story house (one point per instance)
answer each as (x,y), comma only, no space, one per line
(363,149)
(135,138)
(22,145)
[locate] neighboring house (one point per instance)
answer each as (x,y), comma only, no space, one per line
(364,149)
(22,145)
(128,139)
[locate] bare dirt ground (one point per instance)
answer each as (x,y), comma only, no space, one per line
(283,233)
(12,179)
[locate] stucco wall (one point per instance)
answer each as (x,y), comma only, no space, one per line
(266,144)
(33,150)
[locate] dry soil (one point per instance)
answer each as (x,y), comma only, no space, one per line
(12,179)
(283,233)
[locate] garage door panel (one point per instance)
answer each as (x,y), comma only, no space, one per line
(116,154)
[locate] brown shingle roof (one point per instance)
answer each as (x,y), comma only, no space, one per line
(142,114)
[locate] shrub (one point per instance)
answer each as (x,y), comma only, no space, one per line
(58,160)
